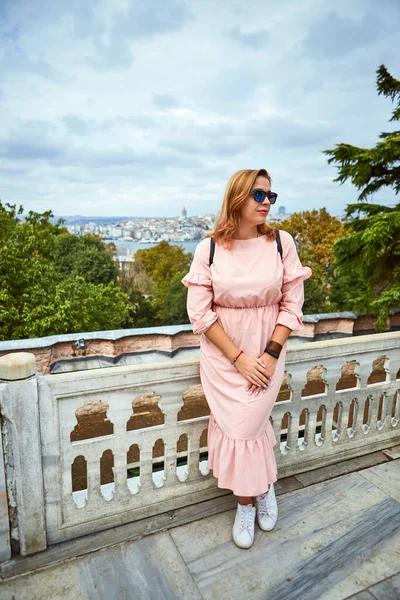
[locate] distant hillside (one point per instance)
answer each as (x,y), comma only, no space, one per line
(79,219)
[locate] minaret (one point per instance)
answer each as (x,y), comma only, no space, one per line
(184,212)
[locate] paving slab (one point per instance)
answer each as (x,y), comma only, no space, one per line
(124,533)
(341,468)
(287,484)
(388,589)
(386,477)
(365,595)
(148,569)
(393,452)
(129,532)
(332,540)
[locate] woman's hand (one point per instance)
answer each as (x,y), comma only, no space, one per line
(254,370)
(270,364)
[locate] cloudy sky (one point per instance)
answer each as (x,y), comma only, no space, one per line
(141,107)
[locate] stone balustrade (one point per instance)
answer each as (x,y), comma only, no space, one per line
(147,454)
(62,353)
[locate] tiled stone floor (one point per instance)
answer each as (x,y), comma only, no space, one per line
(335,539)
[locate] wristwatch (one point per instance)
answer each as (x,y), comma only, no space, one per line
(273,348)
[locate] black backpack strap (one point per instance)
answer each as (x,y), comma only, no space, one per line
(212,250)
(278,242)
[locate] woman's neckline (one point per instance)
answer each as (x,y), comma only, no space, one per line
(250,239)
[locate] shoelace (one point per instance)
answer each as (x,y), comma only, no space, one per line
(246,519)
(264,504)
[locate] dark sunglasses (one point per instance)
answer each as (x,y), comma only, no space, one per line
(259,196)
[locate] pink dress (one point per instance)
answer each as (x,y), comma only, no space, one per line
(248,290)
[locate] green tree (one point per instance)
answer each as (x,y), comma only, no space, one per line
(85,256)
(156,270)
(36,297)
(161,262)
(141,309)
(173,304)
(315,232)
(73,305)
(371,246)
(111,249)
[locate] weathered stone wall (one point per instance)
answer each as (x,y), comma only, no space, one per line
(169,339)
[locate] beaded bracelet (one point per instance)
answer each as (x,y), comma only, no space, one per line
(235,359)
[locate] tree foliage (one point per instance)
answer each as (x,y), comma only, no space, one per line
(172,305)
(371,246)
(162,262)
(141,308)
(85,256)
(72,305)
(315,232)
(368,262)
(158,271)
(370,169)
(40,296)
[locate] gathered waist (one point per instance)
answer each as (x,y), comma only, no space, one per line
(239,307)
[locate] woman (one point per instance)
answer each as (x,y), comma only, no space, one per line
(245,305)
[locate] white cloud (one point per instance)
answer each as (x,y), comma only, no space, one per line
(130,107)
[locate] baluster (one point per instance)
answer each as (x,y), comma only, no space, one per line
(329,424)
(380,424)
(322,435)
(194,457)
(119,412)
(346,402)
(146,467)
(358,418)
(121,491)
(171,477)
(293,433)
(307,431)
(373,396)
(95,498)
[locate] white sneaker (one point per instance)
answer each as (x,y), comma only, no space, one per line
(243,528)
(267,509)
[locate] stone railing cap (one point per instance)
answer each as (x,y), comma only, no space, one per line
(112,334)
(347,314)
(17,365)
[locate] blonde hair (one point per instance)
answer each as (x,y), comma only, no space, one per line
(237,191)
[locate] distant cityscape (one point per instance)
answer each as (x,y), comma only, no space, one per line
(151,230)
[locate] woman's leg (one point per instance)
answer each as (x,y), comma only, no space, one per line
(245,500)
(248,499)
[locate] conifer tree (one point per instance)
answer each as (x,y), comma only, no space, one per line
(367,258)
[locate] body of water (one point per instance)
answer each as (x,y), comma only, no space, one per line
(127,247)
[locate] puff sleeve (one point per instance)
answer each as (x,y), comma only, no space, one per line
(290,306)
(200,291)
